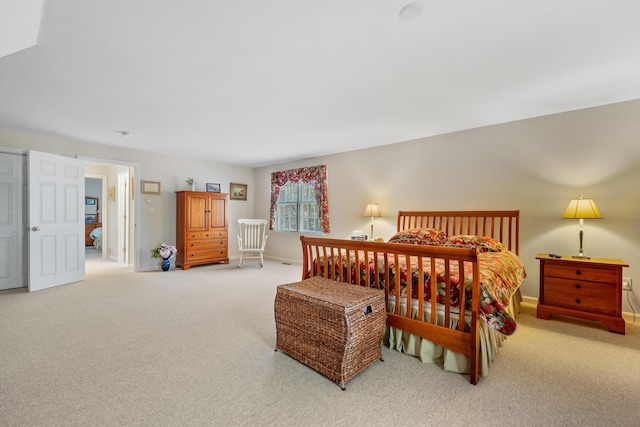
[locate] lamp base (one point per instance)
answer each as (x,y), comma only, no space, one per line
(580,252)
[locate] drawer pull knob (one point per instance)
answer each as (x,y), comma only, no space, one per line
(578,272)
(578,286)
(577,301)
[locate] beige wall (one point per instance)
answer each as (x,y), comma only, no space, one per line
(534,165)
(171,171)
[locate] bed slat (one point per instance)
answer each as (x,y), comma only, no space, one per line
(502,225)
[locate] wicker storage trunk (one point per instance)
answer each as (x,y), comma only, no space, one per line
(333,327)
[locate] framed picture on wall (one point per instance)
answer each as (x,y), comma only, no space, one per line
(150,187)
(213,188)
(237,191)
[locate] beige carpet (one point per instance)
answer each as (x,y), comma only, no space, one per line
(195,348)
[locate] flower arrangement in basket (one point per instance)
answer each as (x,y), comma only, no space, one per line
(164,251)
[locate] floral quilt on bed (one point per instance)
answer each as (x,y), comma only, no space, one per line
(500,275)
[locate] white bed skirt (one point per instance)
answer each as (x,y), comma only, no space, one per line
(428,352)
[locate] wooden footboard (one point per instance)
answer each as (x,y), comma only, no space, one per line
(380,265)
(341,259)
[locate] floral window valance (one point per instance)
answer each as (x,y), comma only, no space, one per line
(314,174)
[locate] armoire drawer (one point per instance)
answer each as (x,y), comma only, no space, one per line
(205,254)
(206,244)
(214,235)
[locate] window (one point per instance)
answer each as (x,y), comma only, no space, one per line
(299,200)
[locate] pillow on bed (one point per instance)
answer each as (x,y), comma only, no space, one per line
(419,236)
(483,243)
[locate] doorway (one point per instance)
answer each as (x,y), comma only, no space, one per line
(119,212)
(95,194)
(13,244)
(14,191)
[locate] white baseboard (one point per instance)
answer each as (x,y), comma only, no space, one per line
(284,260)
(533,302)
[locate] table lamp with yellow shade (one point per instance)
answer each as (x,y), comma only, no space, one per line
(582,209)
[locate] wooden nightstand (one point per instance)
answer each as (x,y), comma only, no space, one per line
(586,288)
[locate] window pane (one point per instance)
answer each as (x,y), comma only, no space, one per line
(308,191)
(309,220)
(288,193)
(297,208)
(287,212)
(287,217)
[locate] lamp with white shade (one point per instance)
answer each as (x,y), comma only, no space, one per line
(372,211)
(582,209)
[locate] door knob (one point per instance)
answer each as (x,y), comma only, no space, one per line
(35,228)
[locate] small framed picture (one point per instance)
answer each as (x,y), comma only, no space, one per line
(213,188)
(237,191)
(150,187)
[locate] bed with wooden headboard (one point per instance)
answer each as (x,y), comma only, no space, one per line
(435,251)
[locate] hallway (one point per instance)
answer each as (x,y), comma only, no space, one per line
(96,266)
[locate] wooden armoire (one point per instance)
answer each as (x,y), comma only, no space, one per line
(201,228)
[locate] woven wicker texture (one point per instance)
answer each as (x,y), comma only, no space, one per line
(333,327)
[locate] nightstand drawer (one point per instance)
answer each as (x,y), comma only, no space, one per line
(579,295)
(602,275)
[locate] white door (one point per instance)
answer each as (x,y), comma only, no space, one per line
(56,220)
(123,216)
(11,229)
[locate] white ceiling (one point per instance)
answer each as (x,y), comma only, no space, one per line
(19,24)
(261,82)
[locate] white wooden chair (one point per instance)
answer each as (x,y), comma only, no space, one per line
(252,239)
